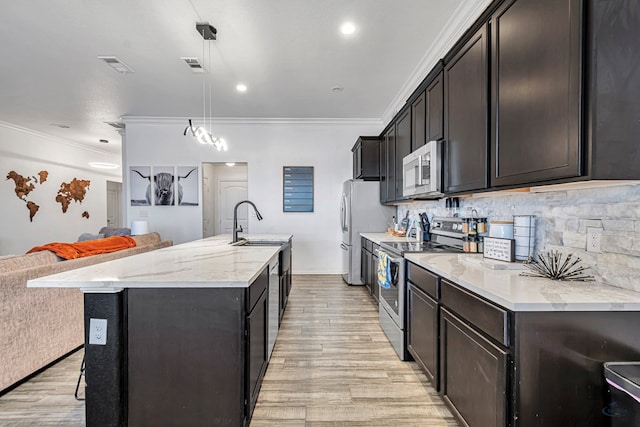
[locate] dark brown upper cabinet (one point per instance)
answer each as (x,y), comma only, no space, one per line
(435,107)
(366,158)
(419,121)
(613,90)
(466,115)
(427,109)
(403,148)
(388,166)
(536,84)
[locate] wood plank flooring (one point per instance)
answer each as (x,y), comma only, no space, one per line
(332,366)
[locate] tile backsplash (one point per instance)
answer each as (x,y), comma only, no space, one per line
(563,218)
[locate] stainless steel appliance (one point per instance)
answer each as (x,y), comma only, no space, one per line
(360,212)
(446,236)
(422,172)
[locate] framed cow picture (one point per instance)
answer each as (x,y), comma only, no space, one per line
(140,185)
(187,185)
(163,185)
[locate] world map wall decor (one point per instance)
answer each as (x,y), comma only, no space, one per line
(74,191)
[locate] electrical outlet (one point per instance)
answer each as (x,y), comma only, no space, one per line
(594,238)
(98,331)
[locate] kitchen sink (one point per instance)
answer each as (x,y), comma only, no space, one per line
(243,242)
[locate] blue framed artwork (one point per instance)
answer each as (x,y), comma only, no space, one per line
(297,188)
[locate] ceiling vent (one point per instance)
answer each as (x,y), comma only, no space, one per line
(194,64)
(117,125)
(117,64)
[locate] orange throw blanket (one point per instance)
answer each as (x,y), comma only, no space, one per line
(87,248)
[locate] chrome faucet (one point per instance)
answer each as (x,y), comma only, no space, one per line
(237,230)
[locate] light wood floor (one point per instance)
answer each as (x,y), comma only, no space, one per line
(332,366)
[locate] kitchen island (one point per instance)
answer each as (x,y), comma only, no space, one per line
(509,350)
(177,336)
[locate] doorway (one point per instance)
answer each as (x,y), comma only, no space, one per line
(114,204)
(222,187)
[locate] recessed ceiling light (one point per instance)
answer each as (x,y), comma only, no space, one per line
(347,28)
(100,165)
(337,89)
(241,87)
(230,164)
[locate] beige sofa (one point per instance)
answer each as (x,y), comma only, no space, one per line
(40,325)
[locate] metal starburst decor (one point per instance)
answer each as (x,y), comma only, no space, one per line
(555,266)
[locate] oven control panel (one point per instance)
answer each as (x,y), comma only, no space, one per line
(447,227)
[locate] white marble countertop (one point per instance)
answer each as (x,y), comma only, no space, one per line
(386,237)
(208,263)
(519,293)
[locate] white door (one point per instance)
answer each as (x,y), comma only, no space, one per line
(114,203)
(231,192)
(208,201)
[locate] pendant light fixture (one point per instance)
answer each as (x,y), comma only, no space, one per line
(208,33)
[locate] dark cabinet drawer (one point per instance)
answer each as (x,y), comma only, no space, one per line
(487,317)
(424,280)
(367,244)
(255,290)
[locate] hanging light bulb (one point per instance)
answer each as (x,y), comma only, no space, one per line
(203,136)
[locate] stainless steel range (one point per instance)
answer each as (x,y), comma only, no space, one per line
(446,236)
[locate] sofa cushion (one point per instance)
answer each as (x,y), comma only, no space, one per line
(27,261)
(88,236)
(114,231)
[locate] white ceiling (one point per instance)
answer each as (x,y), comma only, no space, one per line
(289,53)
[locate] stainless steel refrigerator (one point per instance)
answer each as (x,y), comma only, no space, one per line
(360,212)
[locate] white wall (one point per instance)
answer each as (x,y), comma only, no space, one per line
(27,153)
(266,146)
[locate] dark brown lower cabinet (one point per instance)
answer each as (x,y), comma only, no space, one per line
(527,368)
(257,352)
(375,288)
(474,374)
(422,331)
(195,356)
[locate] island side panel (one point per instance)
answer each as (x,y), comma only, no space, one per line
(186,356)
(105,373)
(559,376)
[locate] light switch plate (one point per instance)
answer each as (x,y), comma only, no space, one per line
(98,331)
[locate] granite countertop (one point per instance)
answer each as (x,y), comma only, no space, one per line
(205,263)
(519,293)
(386,237)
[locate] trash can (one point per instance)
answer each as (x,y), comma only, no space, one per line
(624,384)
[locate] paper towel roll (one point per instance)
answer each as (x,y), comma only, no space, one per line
(139,227)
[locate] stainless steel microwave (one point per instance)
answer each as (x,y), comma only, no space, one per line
(422,172)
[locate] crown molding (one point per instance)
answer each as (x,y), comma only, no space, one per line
(258,121)
(55,139)
(458,23)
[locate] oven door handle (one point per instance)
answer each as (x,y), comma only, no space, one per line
(392,259)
